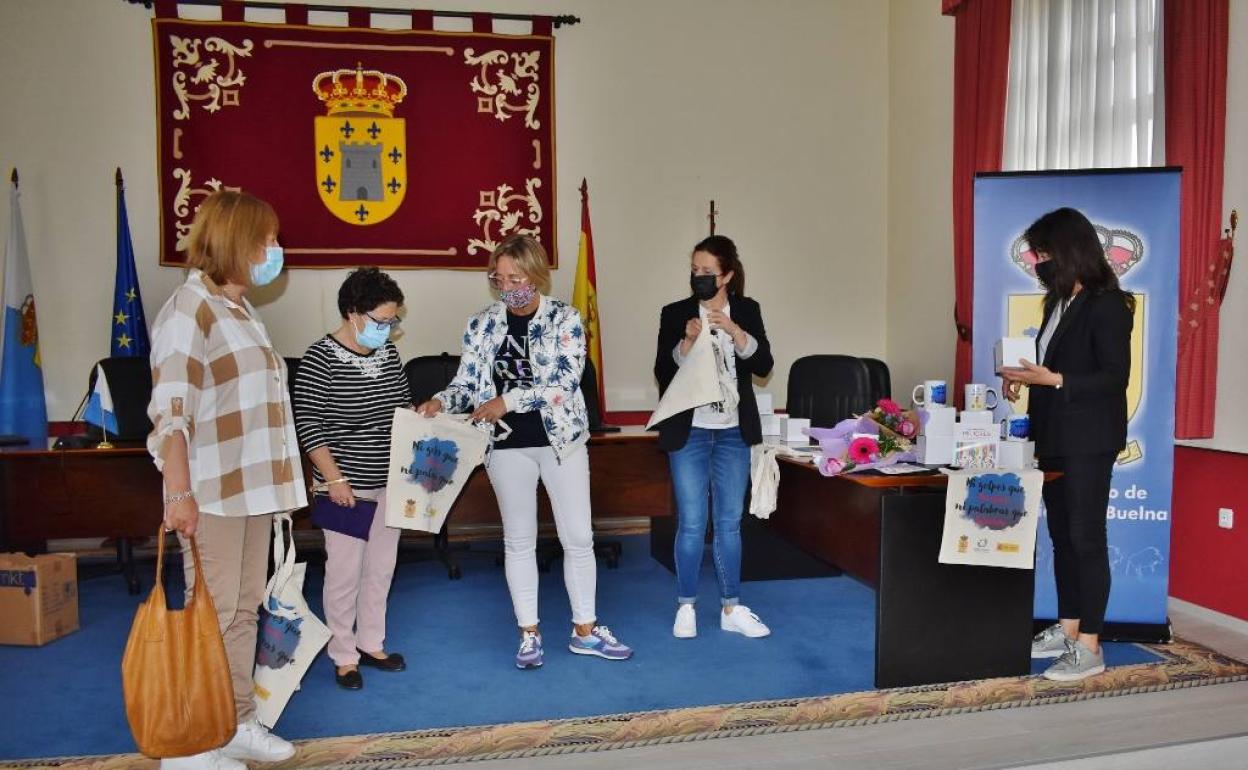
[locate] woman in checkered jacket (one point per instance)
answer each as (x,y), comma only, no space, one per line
(224,439)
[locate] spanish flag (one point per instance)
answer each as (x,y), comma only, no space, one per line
(585,294)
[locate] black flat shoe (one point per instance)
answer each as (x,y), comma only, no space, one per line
(392,662)
(350,680)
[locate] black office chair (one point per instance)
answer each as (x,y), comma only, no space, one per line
(427,375)
(828,388)
(130,384)
(881,380)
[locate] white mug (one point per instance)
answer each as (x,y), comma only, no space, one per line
(977,397)
(929,393)
(1016,427)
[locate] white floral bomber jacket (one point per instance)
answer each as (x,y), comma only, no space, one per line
(557,352)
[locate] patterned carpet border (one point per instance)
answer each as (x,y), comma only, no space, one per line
(1184,664)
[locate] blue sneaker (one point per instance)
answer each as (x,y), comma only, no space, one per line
(530,653)
(600,642)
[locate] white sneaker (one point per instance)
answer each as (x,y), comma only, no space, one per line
(686,625)
(209,760)
(740,620)
(254,741)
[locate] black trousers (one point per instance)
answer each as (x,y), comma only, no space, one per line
(1076,503)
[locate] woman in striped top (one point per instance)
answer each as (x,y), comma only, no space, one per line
(346,390)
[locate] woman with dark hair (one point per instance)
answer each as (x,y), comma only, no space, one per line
(709,446)
(1077,403)
(346,390)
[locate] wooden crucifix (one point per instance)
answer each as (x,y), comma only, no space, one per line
(711,216)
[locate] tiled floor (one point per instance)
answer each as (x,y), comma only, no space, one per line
(1204,728)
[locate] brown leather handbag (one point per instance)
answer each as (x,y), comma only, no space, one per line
(174,674)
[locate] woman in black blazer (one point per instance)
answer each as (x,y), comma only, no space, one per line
(709,447)
(1078,410)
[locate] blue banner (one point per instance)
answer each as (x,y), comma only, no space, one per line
(1136,213)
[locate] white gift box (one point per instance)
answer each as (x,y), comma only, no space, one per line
(1011,351)
(935,450)
(980,418)
(764,403)
(794,429)
(773,424)
(940,420)
(1016,454)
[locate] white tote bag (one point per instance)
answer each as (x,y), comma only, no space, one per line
(430,461)
(290,635)
(696,382)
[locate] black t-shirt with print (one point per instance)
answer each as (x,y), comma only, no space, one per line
(513,369)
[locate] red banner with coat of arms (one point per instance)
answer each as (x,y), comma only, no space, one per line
(398,148)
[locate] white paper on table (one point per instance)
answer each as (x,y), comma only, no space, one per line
(696,382)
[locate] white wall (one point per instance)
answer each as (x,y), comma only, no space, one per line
(921,335)
(774,109)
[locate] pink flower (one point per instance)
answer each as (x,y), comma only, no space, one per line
(906,428)
(863,450)
(889,406)
(832,466)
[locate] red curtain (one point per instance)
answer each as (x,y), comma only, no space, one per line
(980,72)
(1195,33)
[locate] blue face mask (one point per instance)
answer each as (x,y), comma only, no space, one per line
(373,335)
(268,270)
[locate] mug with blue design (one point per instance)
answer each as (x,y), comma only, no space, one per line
(1016,427)
(930,393)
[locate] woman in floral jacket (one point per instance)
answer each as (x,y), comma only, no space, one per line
(522,359)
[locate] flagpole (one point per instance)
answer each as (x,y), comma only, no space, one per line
(105,444)
(13,176)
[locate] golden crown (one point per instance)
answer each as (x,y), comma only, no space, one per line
(359,92)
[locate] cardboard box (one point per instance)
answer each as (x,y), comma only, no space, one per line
(795,430)
(980,418)
(773,424)
(1016,455)
(38,597)
(935,450)
(1010,351)
(940,421)
(976,446)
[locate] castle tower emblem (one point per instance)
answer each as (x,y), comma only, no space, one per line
(361,148)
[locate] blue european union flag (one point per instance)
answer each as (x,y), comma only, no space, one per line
(129,327)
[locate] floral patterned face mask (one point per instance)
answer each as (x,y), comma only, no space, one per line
(519,298)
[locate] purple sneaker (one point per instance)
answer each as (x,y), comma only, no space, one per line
(602,643)
(530,653)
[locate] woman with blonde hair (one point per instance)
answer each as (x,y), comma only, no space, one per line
(224,439)
(522,360)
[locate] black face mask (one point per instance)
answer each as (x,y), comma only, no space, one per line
(703,286)
(1044,271)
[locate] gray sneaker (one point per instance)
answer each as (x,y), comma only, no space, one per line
(1052,642)
(1078,662)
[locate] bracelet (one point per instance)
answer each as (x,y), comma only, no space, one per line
(327,484)
(178,497)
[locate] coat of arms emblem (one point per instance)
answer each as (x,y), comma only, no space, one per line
(361,148)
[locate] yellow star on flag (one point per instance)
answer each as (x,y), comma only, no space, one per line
(130,294)
(120,318)
(123,341)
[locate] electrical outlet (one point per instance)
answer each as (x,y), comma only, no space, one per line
(1226,518)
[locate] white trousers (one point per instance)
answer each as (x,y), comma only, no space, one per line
(357,584)
(514,474)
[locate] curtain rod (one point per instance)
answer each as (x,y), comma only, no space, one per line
(556,21)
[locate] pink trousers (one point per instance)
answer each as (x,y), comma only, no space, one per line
(357,584)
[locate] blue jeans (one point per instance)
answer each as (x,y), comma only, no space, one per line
(714,464)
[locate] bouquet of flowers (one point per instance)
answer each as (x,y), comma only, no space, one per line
(878,438)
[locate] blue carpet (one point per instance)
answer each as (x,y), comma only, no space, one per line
(459,639)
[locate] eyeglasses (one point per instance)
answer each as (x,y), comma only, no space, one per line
(507,282)
(388,323)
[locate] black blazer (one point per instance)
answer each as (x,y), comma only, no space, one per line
(674,431)
(1091,349)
